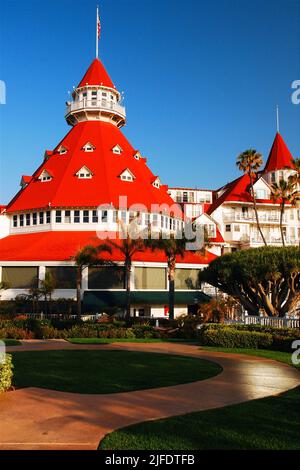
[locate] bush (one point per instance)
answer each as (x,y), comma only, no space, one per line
(13,332)
(6,374)
(231,338)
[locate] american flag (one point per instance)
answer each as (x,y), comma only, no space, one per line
(98,24)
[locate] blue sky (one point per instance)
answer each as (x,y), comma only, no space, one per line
(201,80)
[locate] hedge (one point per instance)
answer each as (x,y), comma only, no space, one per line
(230,338)
(6,374)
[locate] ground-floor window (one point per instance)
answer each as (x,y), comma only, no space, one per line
(20,277)
(150,278)
(187,279)
(111,277)
(64,276)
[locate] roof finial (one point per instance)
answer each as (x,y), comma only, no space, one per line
(98,30)
(277,118)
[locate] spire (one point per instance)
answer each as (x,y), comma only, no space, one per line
(96,75)
(280,157)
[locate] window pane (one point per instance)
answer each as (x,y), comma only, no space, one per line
(186,279)
(150,278)
(106,278)
(64,276)
(20,277)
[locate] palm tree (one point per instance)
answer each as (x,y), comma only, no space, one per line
(127,245)
(171,247)
(295,178)
(287,193)
(86,256)
(47,287)
(249,163)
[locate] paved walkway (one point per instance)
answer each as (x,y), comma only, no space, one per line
(35,418)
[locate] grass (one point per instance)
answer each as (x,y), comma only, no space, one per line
(275,355)
(11,342)
(268,423)
(98,371)
(128,340)
(271,423)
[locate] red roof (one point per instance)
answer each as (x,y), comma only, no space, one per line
(61,246)
(280,157)
(96,75)
(65,189)
(237,190)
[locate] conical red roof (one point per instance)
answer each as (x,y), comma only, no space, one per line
(96,75)
(65,189)
(280,157)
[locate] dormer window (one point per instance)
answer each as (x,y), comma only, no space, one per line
(88,147)
(117,149)
(126,175)
(45,176)
(156,183)
(84,173)
(62,150)
(137,155)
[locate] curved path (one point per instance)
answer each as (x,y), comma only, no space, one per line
(35,418)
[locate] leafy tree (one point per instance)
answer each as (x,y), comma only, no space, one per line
(86,256)
(172,247)
(266,278)
(286,193)
(249,162)
(217,310)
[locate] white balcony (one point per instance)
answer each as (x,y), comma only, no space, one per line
(274,240)
(250,217)
(96,105)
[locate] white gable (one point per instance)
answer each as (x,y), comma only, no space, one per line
(84,172)
(88,147)
(117,149)
(45,176)
(157,183)
(61,150)
(262,189)
(127,175)
(137,155)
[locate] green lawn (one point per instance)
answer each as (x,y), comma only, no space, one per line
(98,371)
(11,342)
(128,340)
(268,423)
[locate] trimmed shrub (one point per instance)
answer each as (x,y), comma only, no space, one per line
(6,374)
(231,338)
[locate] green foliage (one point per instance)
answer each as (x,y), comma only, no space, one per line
(230,338)
(6,373)
(265,278)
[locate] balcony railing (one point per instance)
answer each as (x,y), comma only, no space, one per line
(95,104)
(250,217)
(275,240)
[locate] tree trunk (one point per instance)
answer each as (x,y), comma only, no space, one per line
(171,267)
(256,213)
(281,222)
(78,293)
(128,289)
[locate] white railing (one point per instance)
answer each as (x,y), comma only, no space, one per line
(240,217)
(275,240)
(267,321)
(95,104)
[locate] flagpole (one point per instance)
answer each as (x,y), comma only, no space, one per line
(97,39)
(277,118)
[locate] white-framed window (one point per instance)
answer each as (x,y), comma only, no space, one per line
(86,217)
(127,175)
(58,217)
(95,216)
(260,194)
(88,147)
(45,176)
(156,183)
(48,217)
(104,216)
(76,217)
(21,220)
(67,217)
(228,228)
(84,173)
(62,150)
(34,218)
(28,219)
(155,220)
(117,149)
(237,228)
(15,221)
